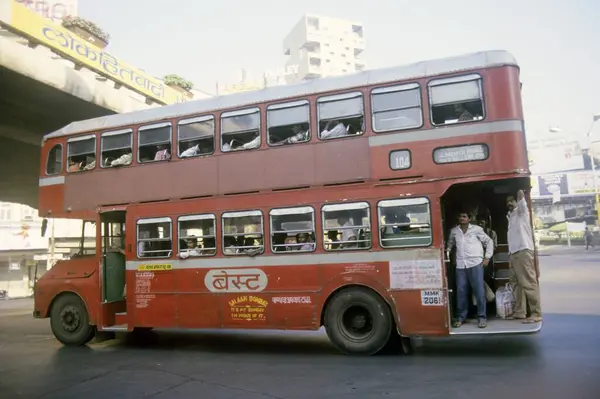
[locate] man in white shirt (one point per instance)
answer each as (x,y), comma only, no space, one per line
(470,241)
(524,274)
(349,235)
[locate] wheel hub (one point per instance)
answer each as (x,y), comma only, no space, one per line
(70,318)
(357,323)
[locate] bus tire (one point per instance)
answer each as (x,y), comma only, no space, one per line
(358,321)
(70,321)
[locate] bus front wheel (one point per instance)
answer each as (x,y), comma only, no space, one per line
(69,321)
(358,321)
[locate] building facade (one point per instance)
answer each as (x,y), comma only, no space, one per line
(320,46)
(25,254)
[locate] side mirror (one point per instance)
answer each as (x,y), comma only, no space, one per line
(44,227)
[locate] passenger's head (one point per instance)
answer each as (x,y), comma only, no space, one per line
(482,223)
(459,108)
(464,218)
(342,220)
(301,238)
(192,242)
(511,202)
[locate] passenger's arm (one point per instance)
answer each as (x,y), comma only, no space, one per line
(489,246)
(451,241)
(521,202)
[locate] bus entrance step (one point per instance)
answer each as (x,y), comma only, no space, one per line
(121,318)
(119,327)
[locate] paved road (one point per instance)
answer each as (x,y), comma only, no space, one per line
(561,362)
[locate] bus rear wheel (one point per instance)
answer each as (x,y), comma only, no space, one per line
(358,321)
(69,321)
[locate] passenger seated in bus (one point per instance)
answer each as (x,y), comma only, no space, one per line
(279,242)
(162,153)
(299,135)
(462,113)
(290,244)
(338,130)
(332,239)
(190,152)
(74,166)
(234,146)
(192,248)
(229,247)
(124,159)
(348,234)
(209,246)
(304,239)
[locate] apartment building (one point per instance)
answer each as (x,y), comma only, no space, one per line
(320,46)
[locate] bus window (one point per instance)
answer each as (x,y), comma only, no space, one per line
(81,153)
(54,161)
(154,142)
(293,229)
(458,99)
(197,235)
(404,223)
(396,108)
(154,238)
(346,226)
(196,136)
(240,130)
(116,148)
(242,233)
(341,115)
(288,123)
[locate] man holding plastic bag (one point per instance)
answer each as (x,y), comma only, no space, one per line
(524,274)
(470,240)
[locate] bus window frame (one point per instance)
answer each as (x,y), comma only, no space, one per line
(414,200)
(115,133)
(83,138)
(153,220)
(286,105)
(346,206)
(284,211)
(447,81)
(152,126)
(244,213)
(381,90)
(197,216)
(190,121)
(60,169)
(240,112)
(332,98)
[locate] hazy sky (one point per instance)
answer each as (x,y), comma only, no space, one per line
(557,43)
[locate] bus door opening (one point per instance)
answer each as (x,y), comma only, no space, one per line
(485,202)
(113,256)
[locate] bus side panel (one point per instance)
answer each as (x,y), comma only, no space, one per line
(152,301)
(51,200)
(422,312)
(288,301)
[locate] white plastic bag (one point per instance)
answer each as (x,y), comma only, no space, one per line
(505,302)
(489,294)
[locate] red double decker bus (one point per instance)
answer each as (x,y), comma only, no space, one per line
(295,207)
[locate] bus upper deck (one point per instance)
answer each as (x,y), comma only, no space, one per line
(437,119)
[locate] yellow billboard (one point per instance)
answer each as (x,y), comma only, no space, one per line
(61,40)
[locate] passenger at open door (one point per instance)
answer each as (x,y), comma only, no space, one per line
(470,241)
(524,274)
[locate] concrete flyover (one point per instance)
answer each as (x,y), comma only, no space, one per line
(41,92)
(43,87)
